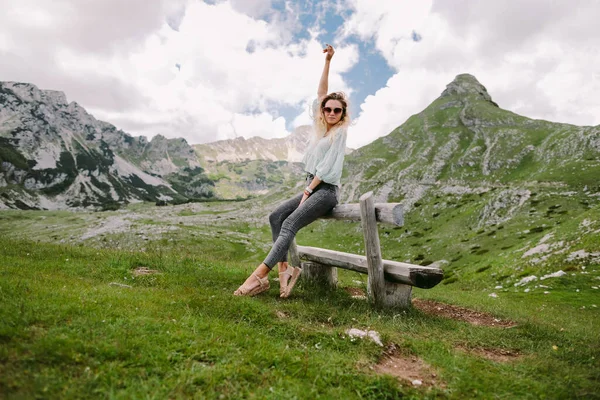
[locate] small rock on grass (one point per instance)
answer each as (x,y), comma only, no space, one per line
(556,274)
(526,280)
(374,336)
(120,285)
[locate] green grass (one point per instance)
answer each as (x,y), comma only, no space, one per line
(65,332)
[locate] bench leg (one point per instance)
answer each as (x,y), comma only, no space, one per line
(397,295)
(313,273)
(381,292)
(319,275)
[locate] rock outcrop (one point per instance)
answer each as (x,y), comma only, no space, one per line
(54,155)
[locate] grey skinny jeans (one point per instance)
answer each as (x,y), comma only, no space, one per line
(289,217)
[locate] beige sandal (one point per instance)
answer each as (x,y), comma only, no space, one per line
(263,286)
(287,280)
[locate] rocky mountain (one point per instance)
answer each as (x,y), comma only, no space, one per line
(489,195)
(464,142)
(54,155)
(290,148)
(486,192)
(249,167)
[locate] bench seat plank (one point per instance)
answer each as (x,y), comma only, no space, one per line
(394,271)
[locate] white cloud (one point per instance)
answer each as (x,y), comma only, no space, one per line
(403,96)
(536,58)
(304,118)
(241,61)
(253,8)
(5,44)
(88,26)
(234,69)
(253,125)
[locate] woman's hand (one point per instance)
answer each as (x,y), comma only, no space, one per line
(329,50)
(304,197)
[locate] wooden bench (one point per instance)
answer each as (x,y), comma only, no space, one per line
(389,283)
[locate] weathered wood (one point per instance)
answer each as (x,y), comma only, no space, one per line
(376,281)
(397,295)
(319,274)
(390,213)
(389,282)
(394,271)
(294,257)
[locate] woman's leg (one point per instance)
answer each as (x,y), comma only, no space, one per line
(322,202)
(279,215)
(318,204)
(276,219)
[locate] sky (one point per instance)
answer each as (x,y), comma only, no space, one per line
(218,69)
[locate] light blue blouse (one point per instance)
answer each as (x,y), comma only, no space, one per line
(325,158)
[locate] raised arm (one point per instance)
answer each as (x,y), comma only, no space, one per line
(324,82)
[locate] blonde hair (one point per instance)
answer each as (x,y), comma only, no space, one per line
(319,122)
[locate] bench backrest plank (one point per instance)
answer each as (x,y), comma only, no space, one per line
(391,213)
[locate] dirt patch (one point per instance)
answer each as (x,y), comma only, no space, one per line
(493,354)
(281,314)
(356,293)
(139,271)
(407,368)
(461,314)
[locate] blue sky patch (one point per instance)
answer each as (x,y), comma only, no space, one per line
(370,74)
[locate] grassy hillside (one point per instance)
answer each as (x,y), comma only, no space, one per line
(251,178)
(489,195)
(77,319)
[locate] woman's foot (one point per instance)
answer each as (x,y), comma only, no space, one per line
(253,286)
(287,280)
(256,283)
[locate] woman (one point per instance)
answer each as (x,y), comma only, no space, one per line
(323,162)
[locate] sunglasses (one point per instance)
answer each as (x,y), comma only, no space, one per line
(336,110)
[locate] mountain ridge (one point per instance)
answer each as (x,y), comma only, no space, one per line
(463,136)
(56,155)
(289,148)
(463,143)
(38,126)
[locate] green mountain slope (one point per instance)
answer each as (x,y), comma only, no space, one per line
(464,138)
(489,195)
